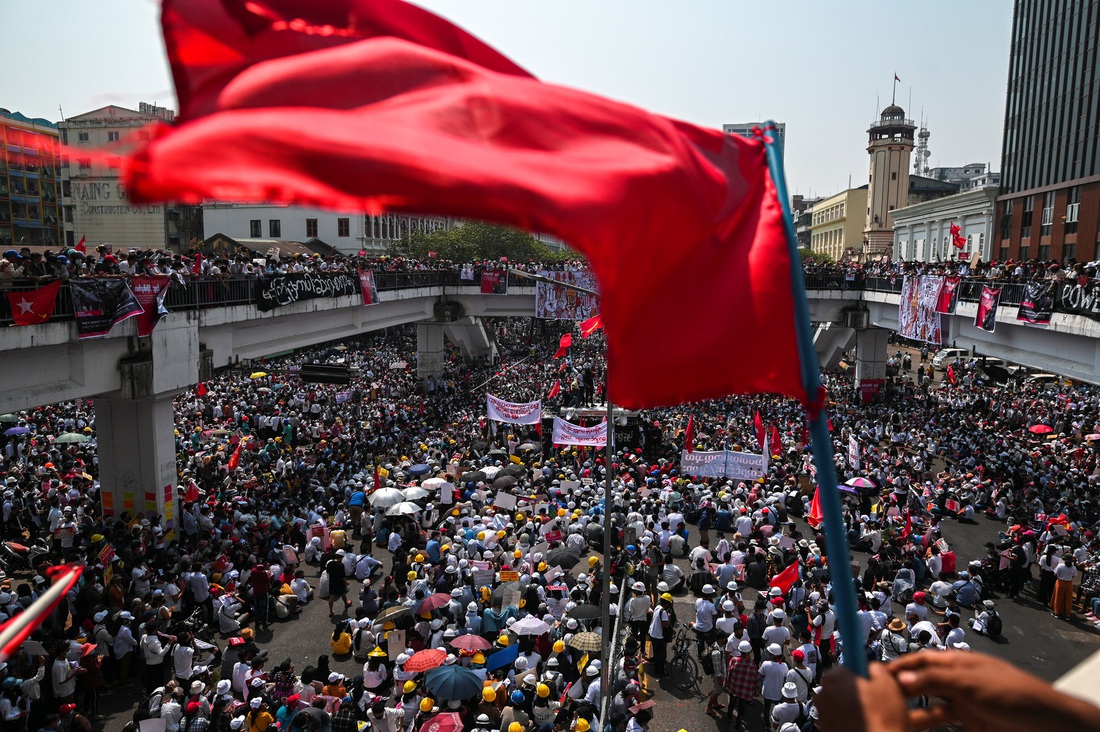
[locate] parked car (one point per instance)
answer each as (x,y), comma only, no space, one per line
(946,356)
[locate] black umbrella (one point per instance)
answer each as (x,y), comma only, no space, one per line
(585,612)
(473,477)
(563,557)
(504,482)
(512,469)
(997,373)
(479,448)
(498,454)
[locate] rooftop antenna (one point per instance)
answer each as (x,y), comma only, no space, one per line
(910,107)
(894,92)
(62,113)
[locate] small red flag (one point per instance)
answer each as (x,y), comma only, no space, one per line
(196,268)
(34,307)
(264,88)
(235,458)
(951,375)
(776,442)
(538,428)
(590,326)
(816,515)
(192,493)
(201,390)
(758,426)
(562,367)
(908,525)
(433,255)
(81,246)
(689,434)
(956,236)
(555,389)
(786,579)
(563,345)
(377,480)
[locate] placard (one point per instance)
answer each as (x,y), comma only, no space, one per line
(395,643)
(505,500)
(553,573)
(568,486)
(552,536)
(483,577)
(509,575)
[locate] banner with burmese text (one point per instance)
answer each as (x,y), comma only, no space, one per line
(499,410)
(567,433)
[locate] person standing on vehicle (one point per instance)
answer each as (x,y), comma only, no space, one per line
(660,633)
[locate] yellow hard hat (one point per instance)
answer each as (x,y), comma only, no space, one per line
(561,512)
(501,534)
(582,725)
(488,694)
(559,646)
(411,575)
(96,538)
(515,727)
(593,561)
(503,640)
(519,517)
(420,557)
(543,566)
(517,554)
(479,657)
(409,687)
(426,703)
(445,548)
(543,690)
(666,596)
(481,536)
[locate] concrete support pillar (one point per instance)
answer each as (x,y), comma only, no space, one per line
(429,349)
(137,461)
(871,355)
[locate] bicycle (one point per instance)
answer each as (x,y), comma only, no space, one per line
(683,669)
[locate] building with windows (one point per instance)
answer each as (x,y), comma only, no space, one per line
(1049,202)
(30,182)
(922,231)
(836,224)
(347,232)
(802,214)
(93,196)
(746,129)
(968,177)
(889,145)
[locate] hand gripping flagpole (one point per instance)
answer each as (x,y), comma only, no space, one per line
(836,541)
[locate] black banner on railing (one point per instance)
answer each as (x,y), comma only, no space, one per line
(99,304)
(1078,299)
(1037,304)
(287,289)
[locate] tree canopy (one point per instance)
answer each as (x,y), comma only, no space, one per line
(473,241)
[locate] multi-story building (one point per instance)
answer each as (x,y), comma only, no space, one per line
(968,177)
(348,232)
(922,231)
(1049,202)
(836,224)
(802,213)
(30,170)
(748,129)
(94,197)
(889,145)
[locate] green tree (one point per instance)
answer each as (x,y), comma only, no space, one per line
(812,256)
(474,240)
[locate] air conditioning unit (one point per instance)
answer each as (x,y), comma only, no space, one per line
(857,319)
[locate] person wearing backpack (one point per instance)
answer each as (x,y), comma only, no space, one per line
(988,622)
(790,709)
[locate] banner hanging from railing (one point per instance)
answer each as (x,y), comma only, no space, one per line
(986,317)
(494,282)
(558,302)
(367,287)
(948,297)
(567,433)
(286,289)
(917,316)
(100,304)
(499,410)
(1037,304)
(150,292)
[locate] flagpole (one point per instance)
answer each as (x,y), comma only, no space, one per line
(836,540)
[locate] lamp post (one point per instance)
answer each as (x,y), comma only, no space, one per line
(609,453)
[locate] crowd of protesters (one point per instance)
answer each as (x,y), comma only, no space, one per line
(394,503)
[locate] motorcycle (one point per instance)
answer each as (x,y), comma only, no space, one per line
(21,556)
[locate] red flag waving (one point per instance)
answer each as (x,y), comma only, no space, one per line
(951,375)
(590,326)
(776,445)
(34,307)
(956,236)
(758,427)
(816,515)
(274,96)
(563,345)
(786,579)
(689,434)
(201,390)
(554,390)
(377,480)
(81,246)
(235,458)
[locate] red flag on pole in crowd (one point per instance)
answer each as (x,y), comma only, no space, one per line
(377,479)
(804,439)
(908,525)
(956,237)
(266,88)
(785,580)
(555,389)
(776,441)
(563,345)
(590,326)
(816,516)
(235,458)
(689,434)
(951,374)
(196,268)
(81,246)
(562,367)
(201,389)
(35,306)
(433,255)
(758,427)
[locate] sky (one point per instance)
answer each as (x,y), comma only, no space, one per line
(824,68)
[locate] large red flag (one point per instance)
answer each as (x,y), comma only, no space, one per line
(81,246)
(590,326)
(689,434)
(816,515)
(776,446)
(758,427)
(235,458)
(274,96)
(201,390)
(35,306)
(956,237)
(563,345)
(555,389)
(786,579)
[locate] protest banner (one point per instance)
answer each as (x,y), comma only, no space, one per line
(567,433)
(499,410)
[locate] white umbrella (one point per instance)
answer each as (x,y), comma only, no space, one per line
(385,497)
(414,492)
(529,626)
(402,509)
(490,471)
(436,484)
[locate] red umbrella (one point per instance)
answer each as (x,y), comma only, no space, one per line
(434,602)
(429,658)
(445,722)
(1040,429)
(470,642)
